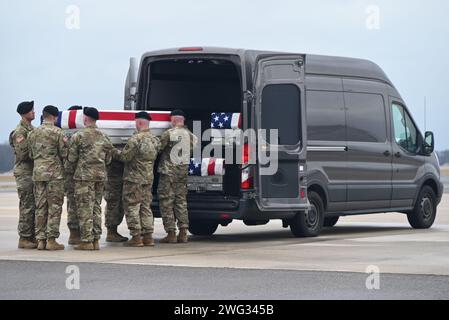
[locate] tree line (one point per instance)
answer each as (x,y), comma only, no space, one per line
(6,158)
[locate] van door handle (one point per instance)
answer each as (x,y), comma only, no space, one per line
(387,153)
(398,155)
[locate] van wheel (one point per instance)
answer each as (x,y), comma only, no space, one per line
(203,227)
(423,214)
(309,224)
(330,221)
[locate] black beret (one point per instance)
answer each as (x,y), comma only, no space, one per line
(178,112)
(143,115)
(25,107)
(91,113)
(75,108)
(51,110)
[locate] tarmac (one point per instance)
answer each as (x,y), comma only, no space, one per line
(239,262)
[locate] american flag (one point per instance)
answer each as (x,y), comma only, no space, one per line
(194,168)
(73,119)
(206,167)
(225,120)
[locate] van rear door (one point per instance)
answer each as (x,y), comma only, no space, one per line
(280,105)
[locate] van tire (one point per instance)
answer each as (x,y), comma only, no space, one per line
(330,221)
(310,224)
(203,227)
(423,214)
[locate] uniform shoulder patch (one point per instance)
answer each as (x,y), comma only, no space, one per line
(20,138)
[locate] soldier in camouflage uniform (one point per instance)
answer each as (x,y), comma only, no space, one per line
(48,149)
(23,172)
(176,147)
(114,205)
(139,155)
(90,151)
(72,217)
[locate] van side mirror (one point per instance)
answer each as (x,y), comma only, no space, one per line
(131,86)
(429,143)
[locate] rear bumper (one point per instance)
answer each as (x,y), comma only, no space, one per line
(221,208)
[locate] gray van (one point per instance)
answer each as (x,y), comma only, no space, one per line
(347,143)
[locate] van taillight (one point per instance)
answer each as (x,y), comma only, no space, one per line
(247,183)
(188,49)
(245,157)
(247,180)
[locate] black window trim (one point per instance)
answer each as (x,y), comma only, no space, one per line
(299,145)
(419,138)
(385,116)
(307,104)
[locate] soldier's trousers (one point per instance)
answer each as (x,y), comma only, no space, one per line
(137,200)
(72,216)
(88,196)
(172,195)
(49,198)
(27,206)
(114,204)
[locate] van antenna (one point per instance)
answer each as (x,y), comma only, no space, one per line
(425,113)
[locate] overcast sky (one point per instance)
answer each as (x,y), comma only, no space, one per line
(44,59)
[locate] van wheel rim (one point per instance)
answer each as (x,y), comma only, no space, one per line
(426,208)
(312,217)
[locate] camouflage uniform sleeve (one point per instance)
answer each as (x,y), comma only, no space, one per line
(29,142)
(68,166)
(129,151)
(21,146)
(62,145)
(73,153)
(165,139)
(110,150)
(157,144)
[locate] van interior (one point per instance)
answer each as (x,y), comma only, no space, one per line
(199,86)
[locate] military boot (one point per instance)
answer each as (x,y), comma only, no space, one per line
(96,244)
(183,237)
(41,244)
(84,246)
(25,243)
(114,236)
(74,237)
(53,245)
(170,238)
(148,240)
(136,241)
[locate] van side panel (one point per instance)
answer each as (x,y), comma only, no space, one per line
(369,148)
(326,162)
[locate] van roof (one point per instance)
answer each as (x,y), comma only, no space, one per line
(315,64)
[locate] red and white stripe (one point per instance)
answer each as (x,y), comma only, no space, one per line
(212,167)
(236,120)
(73,119)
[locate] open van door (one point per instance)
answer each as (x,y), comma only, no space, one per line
(280,182)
